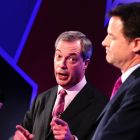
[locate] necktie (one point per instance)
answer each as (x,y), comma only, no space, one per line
(59,108)
(116,87)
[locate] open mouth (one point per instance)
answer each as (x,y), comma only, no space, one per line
(62,76)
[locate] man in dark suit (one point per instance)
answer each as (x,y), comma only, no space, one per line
(83,103)
(120,119)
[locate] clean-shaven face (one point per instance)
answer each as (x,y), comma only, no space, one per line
(118,48)
(69,67)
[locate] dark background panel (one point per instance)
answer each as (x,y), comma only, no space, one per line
(17,96)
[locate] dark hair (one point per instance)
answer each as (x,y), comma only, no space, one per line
(130,16)
(86,45)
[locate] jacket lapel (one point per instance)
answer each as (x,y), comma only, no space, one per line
(48,109)
(82,100)
(125,85)
(120,92)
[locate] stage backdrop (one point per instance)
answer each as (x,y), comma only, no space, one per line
(28,30)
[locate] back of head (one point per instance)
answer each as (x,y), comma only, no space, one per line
(86,45)
(130,16)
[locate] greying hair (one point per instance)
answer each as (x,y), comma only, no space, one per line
(70,36)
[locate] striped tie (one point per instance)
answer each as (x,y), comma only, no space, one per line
(59,108)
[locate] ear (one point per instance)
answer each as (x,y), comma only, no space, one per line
(86,63)
(136,45)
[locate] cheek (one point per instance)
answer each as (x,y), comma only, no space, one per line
(55,65)
(114,48)
(77,70)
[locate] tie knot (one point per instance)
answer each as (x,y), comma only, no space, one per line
(62,92)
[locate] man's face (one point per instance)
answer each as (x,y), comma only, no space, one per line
(69,67)
(118,48)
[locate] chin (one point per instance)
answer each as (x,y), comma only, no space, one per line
(63,84)
(108,60)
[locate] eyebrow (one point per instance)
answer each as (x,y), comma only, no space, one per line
(57,50)
(68,54)
(111,34)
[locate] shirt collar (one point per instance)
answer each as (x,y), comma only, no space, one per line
(76,88)
(128,72)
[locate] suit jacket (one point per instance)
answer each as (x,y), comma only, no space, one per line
(80,115)
(120,119)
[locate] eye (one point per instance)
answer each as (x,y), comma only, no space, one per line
(72,59)
(111,37)
(58,56)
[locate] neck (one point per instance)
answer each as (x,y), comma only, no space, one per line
(132,63)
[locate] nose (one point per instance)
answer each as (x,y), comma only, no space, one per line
(105,42)
(63,64)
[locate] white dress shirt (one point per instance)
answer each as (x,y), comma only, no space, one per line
(128,72)
(71,92)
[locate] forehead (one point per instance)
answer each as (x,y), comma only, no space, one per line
(69,47)
(115,25)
